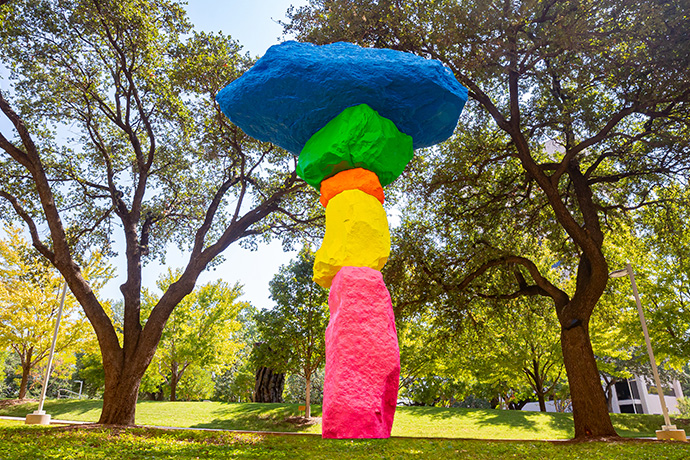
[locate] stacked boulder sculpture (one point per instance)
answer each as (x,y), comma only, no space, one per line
(354,117)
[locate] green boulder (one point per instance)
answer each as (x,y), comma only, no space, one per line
(357,138)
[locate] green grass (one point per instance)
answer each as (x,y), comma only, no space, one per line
(409,421)
(20,442)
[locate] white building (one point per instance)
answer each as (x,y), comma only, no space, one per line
(633,396)
(639,396)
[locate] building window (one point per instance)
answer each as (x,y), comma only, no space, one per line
(623,391)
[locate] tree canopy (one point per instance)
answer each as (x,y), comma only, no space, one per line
(115,129)
(29,303)
(578,113)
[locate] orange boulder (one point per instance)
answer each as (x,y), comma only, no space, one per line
(351,179)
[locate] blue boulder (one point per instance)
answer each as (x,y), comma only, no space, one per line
(296,88)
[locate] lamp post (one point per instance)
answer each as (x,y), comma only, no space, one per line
(667,431)
(39,417)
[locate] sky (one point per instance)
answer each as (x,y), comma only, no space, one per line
(254,24)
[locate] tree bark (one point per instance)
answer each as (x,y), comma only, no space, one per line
(173,387)
(307,404)
(542,402)
(122,380)
(590,412)
(269,385)
(26,368)
(120,400)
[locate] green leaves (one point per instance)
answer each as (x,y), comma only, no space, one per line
(292,332)
(201,336)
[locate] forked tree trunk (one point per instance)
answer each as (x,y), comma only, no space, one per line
(537,380)
(122,388)
(590,412)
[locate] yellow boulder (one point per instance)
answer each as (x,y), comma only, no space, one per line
(356,236)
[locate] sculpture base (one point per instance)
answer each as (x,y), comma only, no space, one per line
(362,357)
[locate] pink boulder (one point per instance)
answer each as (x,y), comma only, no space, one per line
(362,357)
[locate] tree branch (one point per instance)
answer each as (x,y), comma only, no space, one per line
(35,238)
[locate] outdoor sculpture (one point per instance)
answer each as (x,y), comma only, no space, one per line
(354,116)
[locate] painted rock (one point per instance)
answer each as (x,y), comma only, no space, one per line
(357,137)
(296,88)
(362,357)
(351,179)
(356,235)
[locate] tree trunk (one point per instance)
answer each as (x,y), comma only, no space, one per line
(122,380)
(269,385)
(174,378)
(26,368)
(307,404)
(536,378)
(173,387)
(120,401)
(590,412)
(542,401)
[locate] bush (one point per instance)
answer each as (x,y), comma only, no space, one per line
(235,384)
(684,406)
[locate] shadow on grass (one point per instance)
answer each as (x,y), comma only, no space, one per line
(640,425)
(435,412)
(528,421)
(74,407)
(531,421)
(259,417)
(55,408)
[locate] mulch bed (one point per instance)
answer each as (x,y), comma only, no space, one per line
(15,402)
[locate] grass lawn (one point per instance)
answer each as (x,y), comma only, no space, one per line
(20,442)
(409,421)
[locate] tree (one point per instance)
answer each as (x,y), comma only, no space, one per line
(116,129)
(520,346)
(29,303)
(664,273)
(604,80)
(199,333)
(236,383)
(292,334)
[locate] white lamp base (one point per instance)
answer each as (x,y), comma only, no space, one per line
(671,433)
(38,418)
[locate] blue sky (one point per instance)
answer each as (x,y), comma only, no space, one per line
(251,22)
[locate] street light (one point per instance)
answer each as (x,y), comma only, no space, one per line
(81,385)
(39,417)
(667,431)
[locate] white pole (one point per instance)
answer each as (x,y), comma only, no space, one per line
(655,371)
(52,350)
